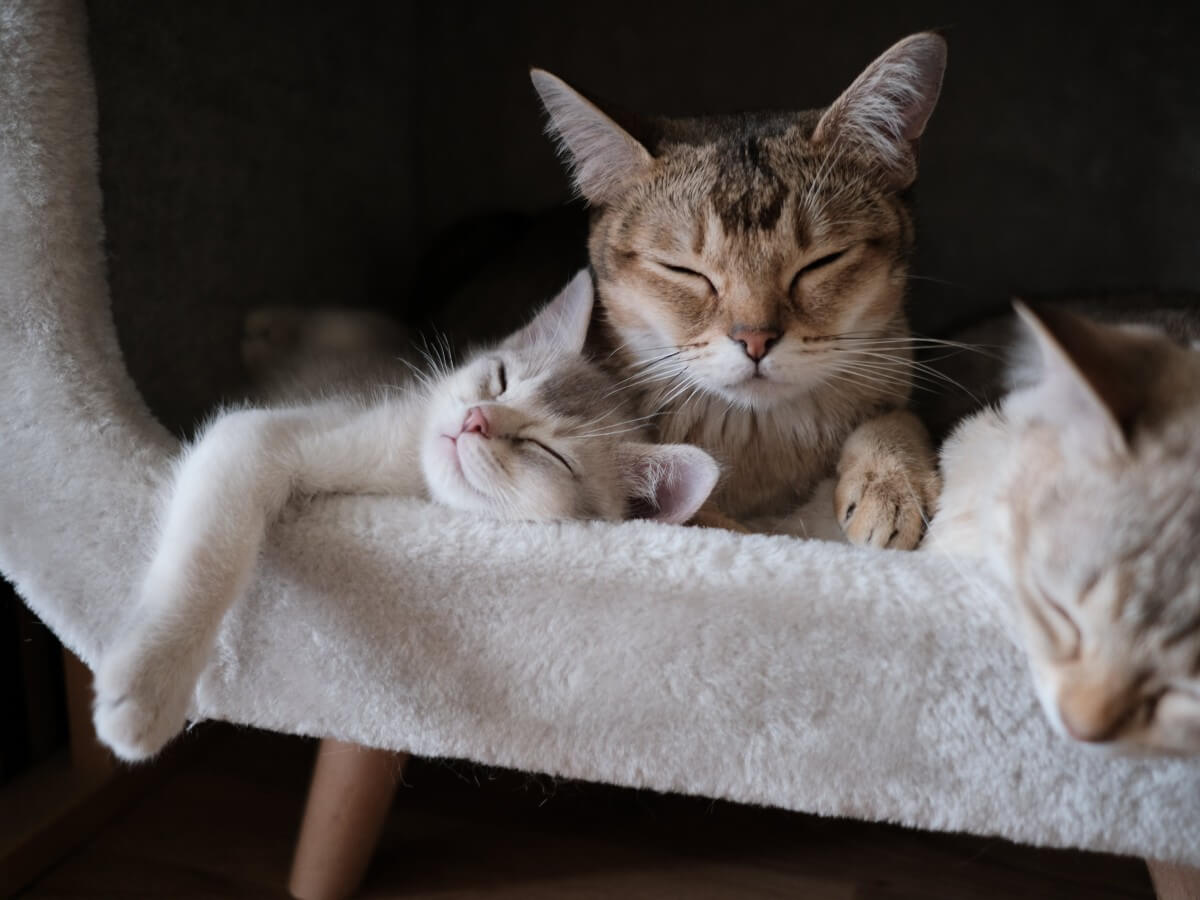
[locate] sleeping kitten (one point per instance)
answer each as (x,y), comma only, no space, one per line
(1082,489)
(526,430)
(752,271)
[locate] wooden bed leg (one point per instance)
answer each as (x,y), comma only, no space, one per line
(348,801)
(1173,881)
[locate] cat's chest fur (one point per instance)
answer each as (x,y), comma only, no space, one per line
(770,459)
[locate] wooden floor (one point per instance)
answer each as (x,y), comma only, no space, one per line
(222,826)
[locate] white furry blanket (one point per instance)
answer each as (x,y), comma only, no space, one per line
(763,669)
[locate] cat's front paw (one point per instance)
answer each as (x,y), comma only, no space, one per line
(142,697)
(886,502)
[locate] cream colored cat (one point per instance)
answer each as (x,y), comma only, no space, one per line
(752,271)
(1082,489)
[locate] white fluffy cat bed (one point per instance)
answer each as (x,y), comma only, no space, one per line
(766,670)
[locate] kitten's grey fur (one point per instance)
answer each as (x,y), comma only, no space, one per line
(529,429)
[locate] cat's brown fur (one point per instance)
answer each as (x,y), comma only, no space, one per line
(752,270)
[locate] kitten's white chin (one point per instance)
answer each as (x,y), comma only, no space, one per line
(448,483)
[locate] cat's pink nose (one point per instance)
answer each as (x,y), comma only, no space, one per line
(477,421)
(757,342)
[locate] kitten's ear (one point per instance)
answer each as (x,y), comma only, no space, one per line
(667,482)
(563,322)
(602,156)
(885,110)
(1094,380)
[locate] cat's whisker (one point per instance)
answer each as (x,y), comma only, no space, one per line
(663,368)
(688,346)
(617,427)
(868,380)
(881,378)
(925,355)
(890,377)
(909,343)
(650,370)
(918,370)
(433,369)
(614,432)
(643,380)
(447,352)
(697,390)
(915,342)
(676,392)
(648,364)
(891,374)
(603,420)
(421,377)
(900,368)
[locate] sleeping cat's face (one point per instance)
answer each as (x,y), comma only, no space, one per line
(1104,533)
(533,430)
(748,253)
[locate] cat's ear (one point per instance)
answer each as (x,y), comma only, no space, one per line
(667,482)
(601,155)
(562,324)
(1094,379)
(886,109)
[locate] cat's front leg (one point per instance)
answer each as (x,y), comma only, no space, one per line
(144,686)
(887,482)
(232,482)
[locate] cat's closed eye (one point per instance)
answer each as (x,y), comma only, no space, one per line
(691,274)
(819,263)
(546,449)
(1057,625)
(498,379)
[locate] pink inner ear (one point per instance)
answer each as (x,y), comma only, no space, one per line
(668,482)
(679,499)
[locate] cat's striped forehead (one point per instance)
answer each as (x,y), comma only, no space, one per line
(758,181)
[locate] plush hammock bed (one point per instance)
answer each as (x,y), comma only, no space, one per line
(767,670)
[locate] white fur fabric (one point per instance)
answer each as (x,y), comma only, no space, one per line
(810,676)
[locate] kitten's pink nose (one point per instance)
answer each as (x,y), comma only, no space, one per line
(757,342)
(477,421)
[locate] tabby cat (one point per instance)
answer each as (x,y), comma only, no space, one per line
(752,272)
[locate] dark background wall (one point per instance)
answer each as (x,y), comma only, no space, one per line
(311,153)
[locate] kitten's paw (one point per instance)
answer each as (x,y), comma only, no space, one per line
(142,697)
(886,503)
